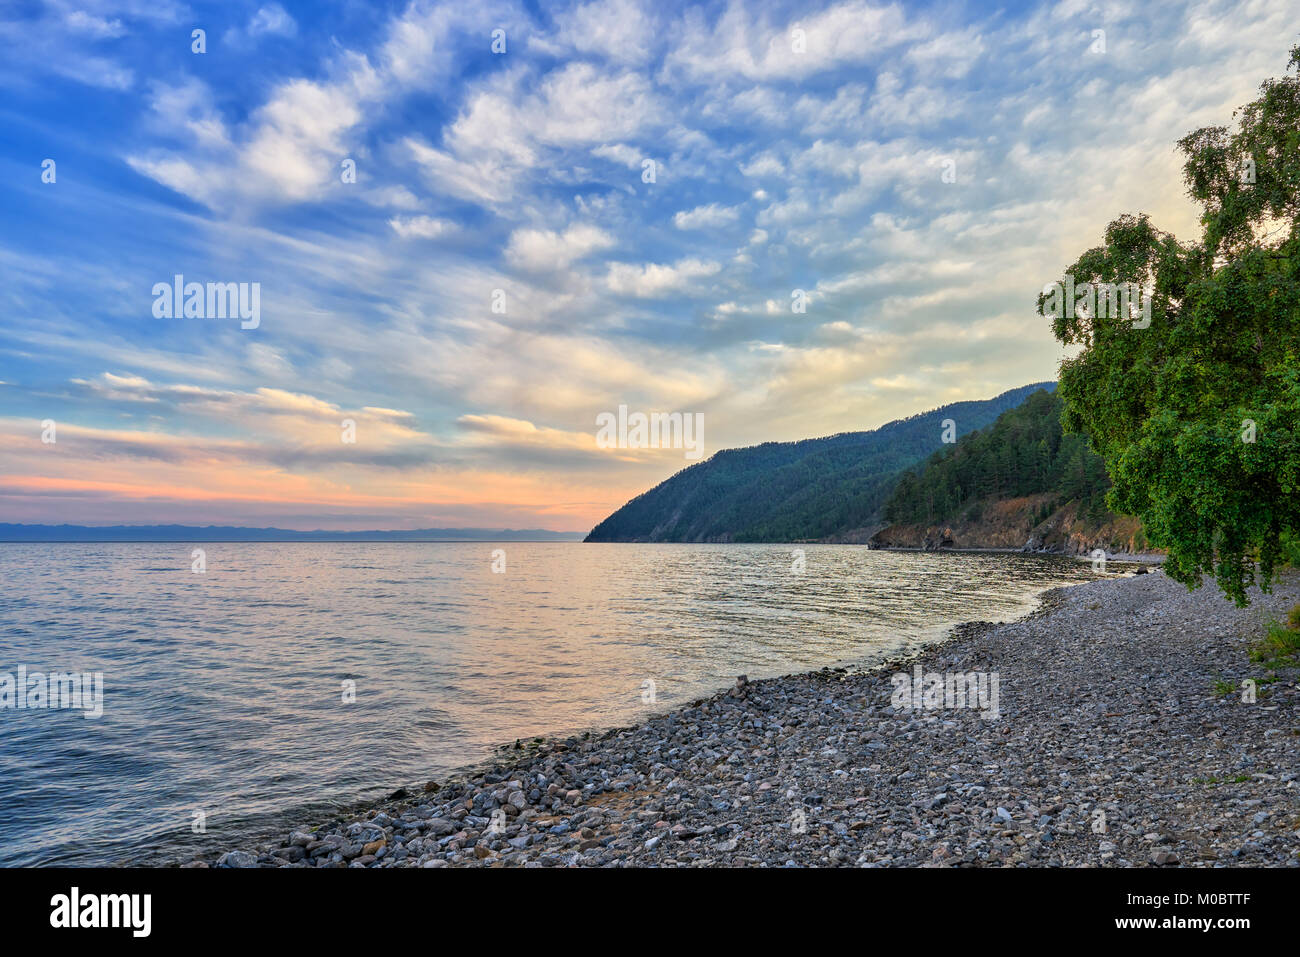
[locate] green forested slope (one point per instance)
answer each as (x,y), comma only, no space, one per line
(794,491)
(1023,453)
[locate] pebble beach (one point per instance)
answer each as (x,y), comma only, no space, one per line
(1099,734)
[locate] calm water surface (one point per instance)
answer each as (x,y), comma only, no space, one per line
(224,690)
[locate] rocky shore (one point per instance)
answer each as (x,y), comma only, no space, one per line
(1108,729)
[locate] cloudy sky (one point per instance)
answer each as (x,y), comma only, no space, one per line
(646,185)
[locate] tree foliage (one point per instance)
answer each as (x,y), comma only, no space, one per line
(1196,415)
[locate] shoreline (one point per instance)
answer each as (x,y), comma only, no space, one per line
(507,752)
(819,769)
(1123,558)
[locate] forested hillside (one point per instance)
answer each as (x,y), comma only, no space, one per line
(794,491)
(1020,482)
(1023,453)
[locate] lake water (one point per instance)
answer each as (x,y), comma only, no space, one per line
(224,691)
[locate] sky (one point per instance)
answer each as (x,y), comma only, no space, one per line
(475,228)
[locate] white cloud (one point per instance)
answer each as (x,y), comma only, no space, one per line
(290,147)
(949,54)
(269,20)
(748,44)
(187,106)
(540,250)
(391,197)
(79,21)
(289,151)
(706,217)
(619,30)
(653,279)
(272,19)
(765,164)
(421,227)
(619,153)
(503,133)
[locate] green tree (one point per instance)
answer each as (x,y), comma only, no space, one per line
(1042,463)
(1196,414)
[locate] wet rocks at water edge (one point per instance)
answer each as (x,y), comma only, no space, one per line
(1110,747)
(237,859)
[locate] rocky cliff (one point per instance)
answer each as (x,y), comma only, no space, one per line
(1012,524)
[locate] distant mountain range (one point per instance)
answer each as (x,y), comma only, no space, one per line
(229,533)
(827,489)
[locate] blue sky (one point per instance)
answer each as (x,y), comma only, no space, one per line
(795,146)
